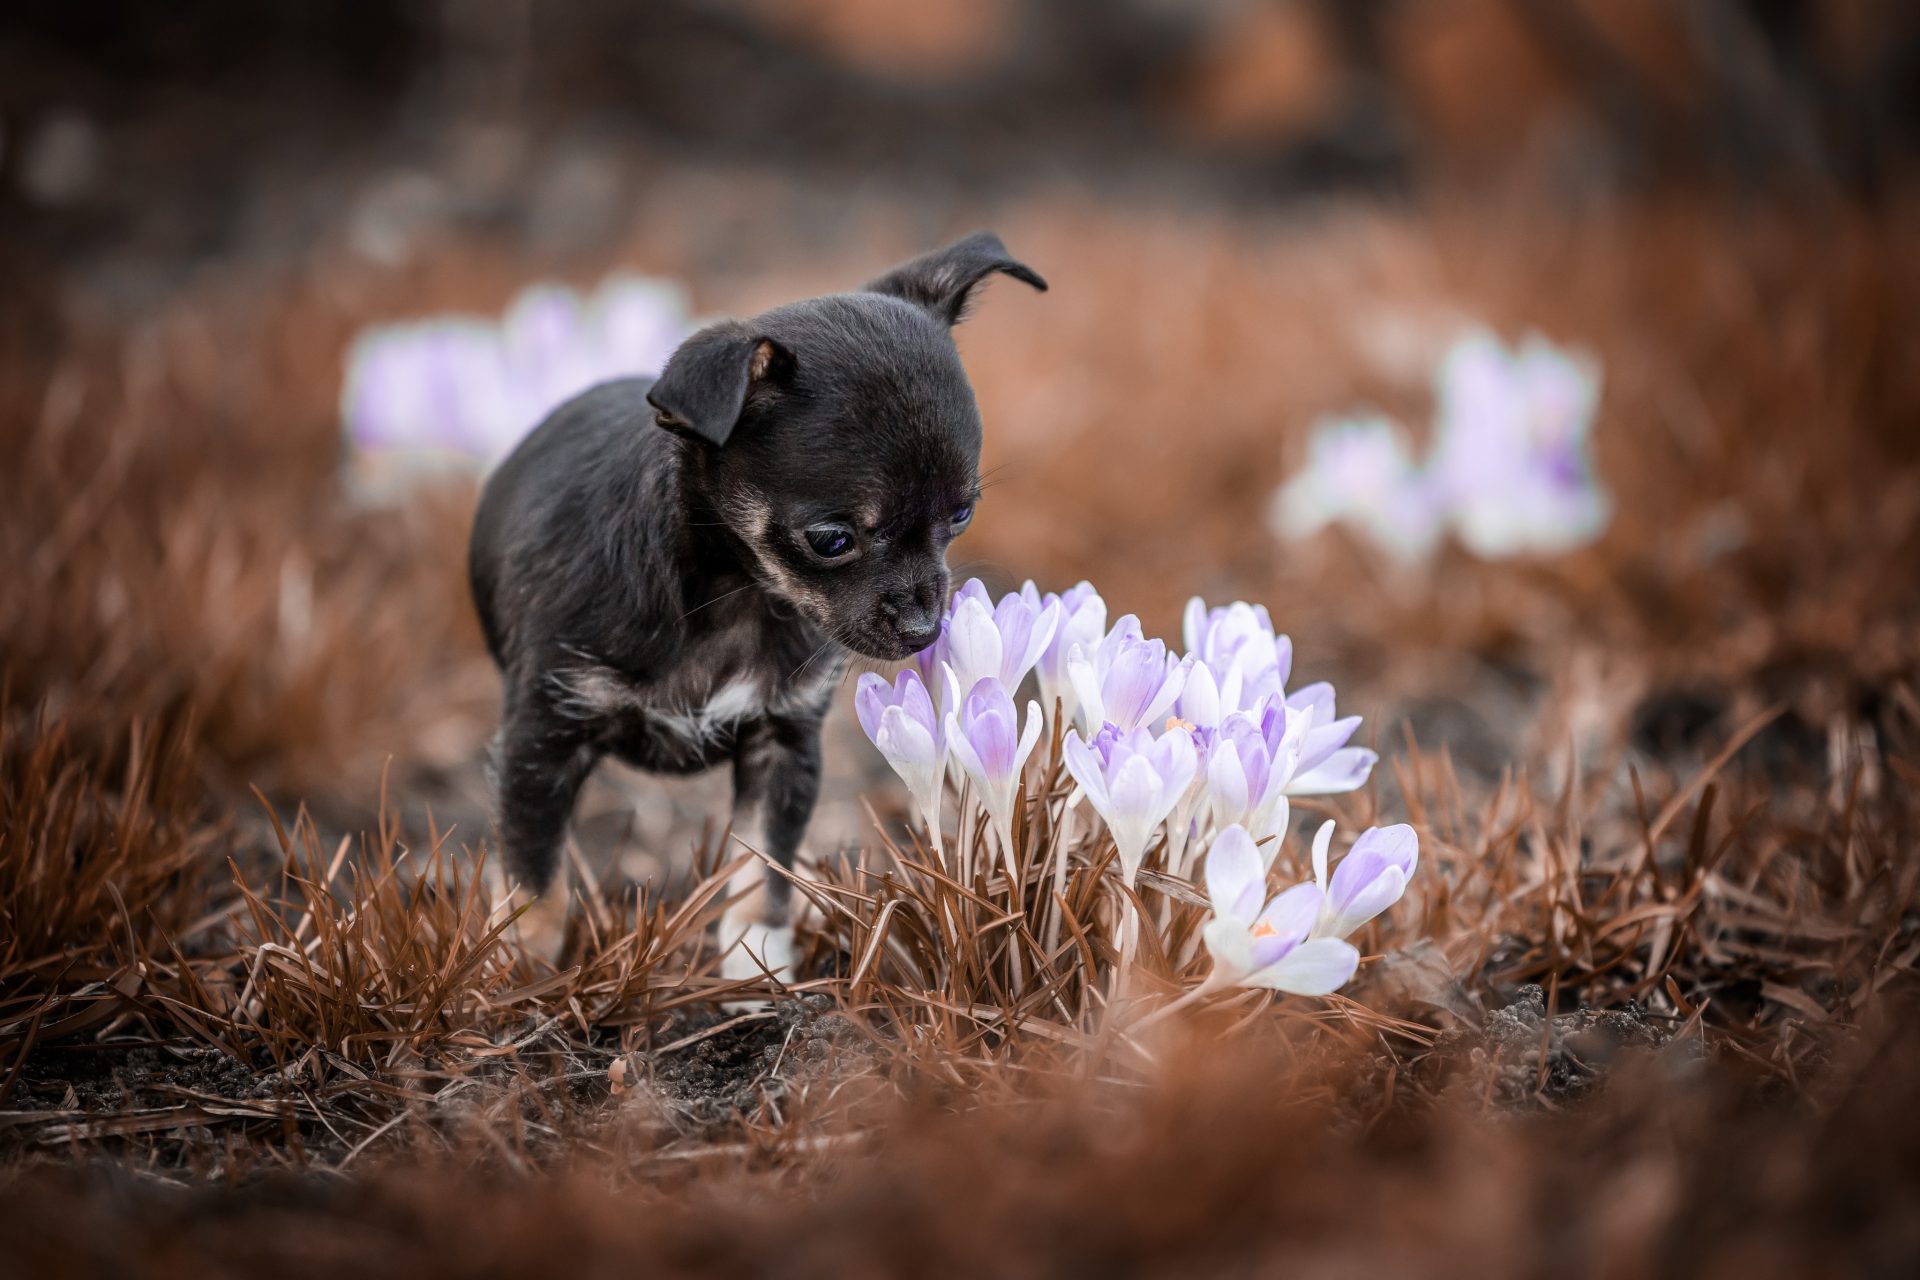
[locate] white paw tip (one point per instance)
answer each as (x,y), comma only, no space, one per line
(761,947)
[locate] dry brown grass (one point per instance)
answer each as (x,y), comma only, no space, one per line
(1684,798)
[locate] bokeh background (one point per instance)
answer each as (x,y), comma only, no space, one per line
(1251,212)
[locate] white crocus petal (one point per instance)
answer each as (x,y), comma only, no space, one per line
(1135,798)
(1345,770)
(1315,968)
(1236,876)
(973,642)
(1233,690)
(1382,892)
(1193,623)
(911,750)
(1274,823)
(1169,692)
(961,748)
(1037,640)
(1227,784)
(1086,687)
(1179,760)
(1231,947)
(1084,765)
(1030,737)
(1317,698)
(1322,840)
(1200,697)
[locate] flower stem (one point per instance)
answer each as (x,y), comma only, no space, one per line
(1206,988)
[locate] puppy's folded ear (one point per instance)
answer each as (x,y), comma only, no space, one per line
(707,379)
(942,282)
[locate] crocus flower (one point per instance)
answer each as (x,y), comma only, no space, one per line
(1361,471)
(1237,660)
(1510,446)
(996,641)
(1368,880)
(1083,622)
(901,721)
(1261,942)
(1133,780)
(1327,765)
(1250,762)
(465,390)
(982,737)
(1125,680)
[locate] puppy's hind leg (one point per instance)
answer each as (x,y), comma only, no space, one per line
(542,758)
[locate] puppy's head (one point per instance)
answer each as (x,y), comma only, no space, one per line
(838,439)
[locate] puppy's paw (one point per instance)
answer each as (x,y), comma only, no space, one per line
(761,948)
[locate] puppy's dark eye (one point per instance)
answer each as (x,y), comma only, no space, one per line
(831,541)
(962,517)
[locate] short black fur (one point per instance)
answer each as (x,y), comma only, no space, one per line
(674,572)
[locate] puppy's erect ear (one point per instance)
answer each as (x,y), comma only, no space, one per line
(706,381)
(942,281)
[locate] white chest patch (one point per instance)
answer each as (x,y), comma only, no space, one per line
(589,693)
(717,718)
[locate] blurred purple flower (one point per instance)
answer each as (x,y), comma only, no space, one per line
(1510,446)
(1361,470)
(986,739)
(1133,780)
(464,391)
(1509,466)
(1257,942)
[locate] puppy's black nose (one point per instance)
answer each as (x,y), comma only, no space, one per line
(918,638)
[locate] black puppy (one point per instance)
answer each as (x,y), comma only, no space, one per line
(673,572)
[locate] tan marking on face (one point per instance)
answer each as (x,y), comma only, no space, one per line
(752,518)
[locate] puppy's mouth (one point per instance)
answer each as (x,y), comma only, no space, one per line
(886,646)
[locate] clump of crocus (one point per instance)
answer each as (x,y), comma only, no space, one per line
(1169,751)
(461,391)
(1509,469)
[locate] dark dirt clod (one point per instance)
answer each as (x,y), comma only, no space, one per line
(748,1067)
(1537,1058)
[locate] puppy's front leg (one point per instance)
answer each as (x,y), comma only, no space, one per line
(543,758)
(776,778)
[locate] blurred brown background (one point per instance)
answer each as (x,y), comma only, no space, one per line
(1252,211)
